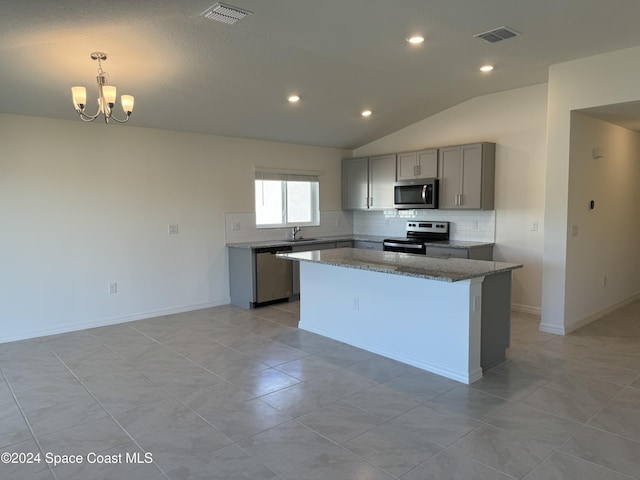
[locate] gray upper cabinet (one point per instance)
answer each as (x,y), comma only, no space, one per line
(367,183)
(422,164)
(467,176)
(382,175)
(355,184)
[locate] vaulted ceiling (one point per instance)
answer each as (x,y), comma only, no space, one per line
(193,74)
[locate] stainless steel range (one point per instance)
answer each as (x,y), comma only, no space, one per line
(419,232)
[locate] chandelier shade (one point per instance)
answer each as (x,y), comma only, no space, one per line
(106,97)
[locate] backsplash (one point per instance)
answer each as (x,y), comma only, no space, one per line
(241,227)
(470,225)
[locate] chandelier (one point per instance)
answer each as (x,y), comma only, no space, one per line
(106,96)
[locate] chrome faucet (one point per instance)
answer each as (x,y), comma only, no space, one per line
(294,232)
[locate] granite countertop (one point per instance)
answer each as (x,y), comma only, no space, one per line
(459,244)
(423,266)
(355,237)
(308,241)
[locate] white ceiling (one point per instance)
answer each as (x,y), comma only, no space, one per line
(189,73)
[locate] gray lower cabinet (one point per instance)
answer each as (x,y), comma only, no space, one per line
(367,245)
(344,244)
(242,277)
(476,253)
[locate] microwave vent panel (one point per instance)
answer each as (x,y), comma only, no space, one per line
(497,34)
(221,12)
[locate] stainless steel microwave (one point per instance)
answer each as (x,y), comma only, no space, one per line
(422,193)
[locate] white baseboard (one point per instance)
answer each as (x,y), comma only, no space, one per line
(551,328)
(110,321)
(459,376)
(526,309)
(566,329)
(601,313)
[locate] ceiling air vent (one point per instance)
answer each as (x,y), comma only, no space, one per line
(221,12)
(497,34)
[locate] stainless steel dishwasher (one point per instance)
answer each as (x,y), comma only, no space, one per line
(274,276)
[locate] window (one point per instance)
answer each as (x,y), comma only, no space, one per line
(286,199)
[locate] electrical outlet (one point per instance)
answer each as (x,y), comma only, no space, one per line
(356,303)
(475,224)
(173,229)
(574,230)
(235,227)
(534,226)
(113,288)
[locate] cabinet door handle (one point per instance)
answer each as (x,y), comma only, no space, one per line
(417,170)
(461,200)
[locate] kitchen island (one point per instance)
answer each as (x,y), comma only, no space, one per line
(449,316)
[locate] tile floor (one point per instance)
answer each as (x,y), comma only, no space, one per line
(226,393)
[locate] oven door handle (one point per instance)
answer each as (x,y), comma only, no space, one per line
(403,245)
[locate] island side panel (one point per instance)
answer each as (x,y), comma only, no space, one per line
(496,319)
(430,324)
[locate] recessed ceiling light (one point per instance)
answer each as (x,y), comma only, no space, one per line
(294,98)
(415,39)
(366,113)
(486,68)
